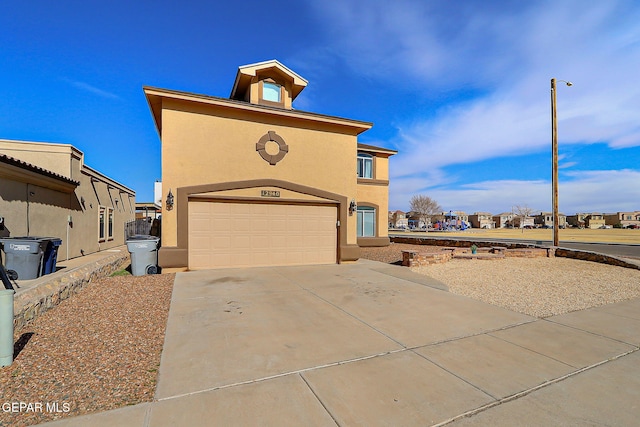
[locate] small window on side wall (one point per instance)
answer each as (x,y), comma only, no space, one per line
(101,224)
(110,224)
(365,165)
(271,92)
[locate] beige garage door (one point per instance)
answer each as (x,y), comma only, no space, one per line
(243,235)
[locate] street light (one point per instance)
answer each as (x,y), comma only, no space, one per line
(554,172)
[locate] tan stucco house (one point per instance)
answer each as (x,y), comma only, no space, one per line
(545,219)
(47,190)
(586,220)
(250,181)
(504,219)
(623,219)
(482,220)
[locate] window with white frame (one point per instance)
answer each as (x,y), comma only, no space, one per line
(101,223)
(365,165)
(366,221)
(110,223)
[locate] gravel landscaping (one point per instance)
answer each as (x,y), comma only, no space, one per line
(538,287)
(96,351)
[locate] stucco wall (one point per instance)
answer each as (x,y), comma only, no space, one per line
(36,210)
(52,157)
(370,195)
(207,144)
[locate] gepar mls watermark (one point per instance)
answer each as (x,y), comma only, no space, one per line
(38,407)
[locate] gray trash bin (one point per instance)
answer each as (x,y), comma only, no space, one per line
(24,255)
(144,254)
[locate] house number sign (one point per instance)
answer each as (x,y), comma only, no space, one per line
(270,193)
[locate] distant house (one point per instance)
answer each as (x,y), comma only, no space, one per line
(148,210)
(586,220)
(398,219)
(482,220)
(623,219)
(522,222)
(414,220)
(545,219)
(47,190)
(503,220)
(455,219)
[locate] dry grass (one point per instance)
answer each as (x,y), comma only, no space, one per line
(611,235)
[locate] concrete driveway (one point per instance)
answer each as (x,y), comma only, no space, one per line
(369,344)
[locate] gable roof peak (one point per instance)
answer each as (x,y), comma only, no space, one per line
(247,72)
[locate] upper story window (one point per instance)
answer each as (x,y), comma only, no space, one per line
(271,92)
(365,165)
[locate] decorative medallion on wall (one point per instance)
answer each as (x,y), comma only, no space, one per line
(261,145)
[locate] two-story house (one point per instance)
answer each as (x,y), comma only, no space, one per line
(503,220)
(623,219)
(398,219)
(250,181)
(586,220)
(481,220)
(545,220)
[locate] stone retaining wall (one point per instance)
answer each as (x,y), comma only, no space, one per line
(417,259)
(32,302)
(514,247)
(454,243)
(529,253)
(594,257)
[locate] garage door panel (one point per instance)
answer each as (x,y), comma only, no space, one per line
(242,234)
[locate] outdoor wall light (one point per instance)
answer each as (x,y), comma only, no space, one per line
(169,200)
(352,207)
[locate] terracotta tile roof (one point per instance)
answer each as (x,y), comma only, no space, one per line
(24,165)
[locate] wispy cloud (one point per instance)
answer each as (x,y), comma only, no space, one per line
(590,191)
(506,52)
(91,89)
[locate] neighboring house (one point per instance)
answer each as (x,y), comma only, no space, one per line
(416,221)
(398,219)
(586,220)
(249,181)
(623,219)
(504,219)
(148,210)
(545,219)
(46,190)
(453,220)
(520,222)
(462,216)
(481,220)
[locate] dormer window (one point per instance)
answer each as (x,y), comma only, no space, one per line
(271,92)
(365,165)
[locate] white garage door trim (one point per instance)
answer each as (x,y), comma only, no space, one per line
(224,234)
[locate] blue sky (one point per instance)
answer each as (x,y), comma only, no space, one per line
(459,88)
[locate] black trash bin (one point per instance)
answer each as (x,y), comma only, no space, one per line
(144,254)
(50,255)
(24,255)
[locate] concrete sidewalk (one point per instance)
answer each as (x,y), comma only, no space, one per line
(372,344)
